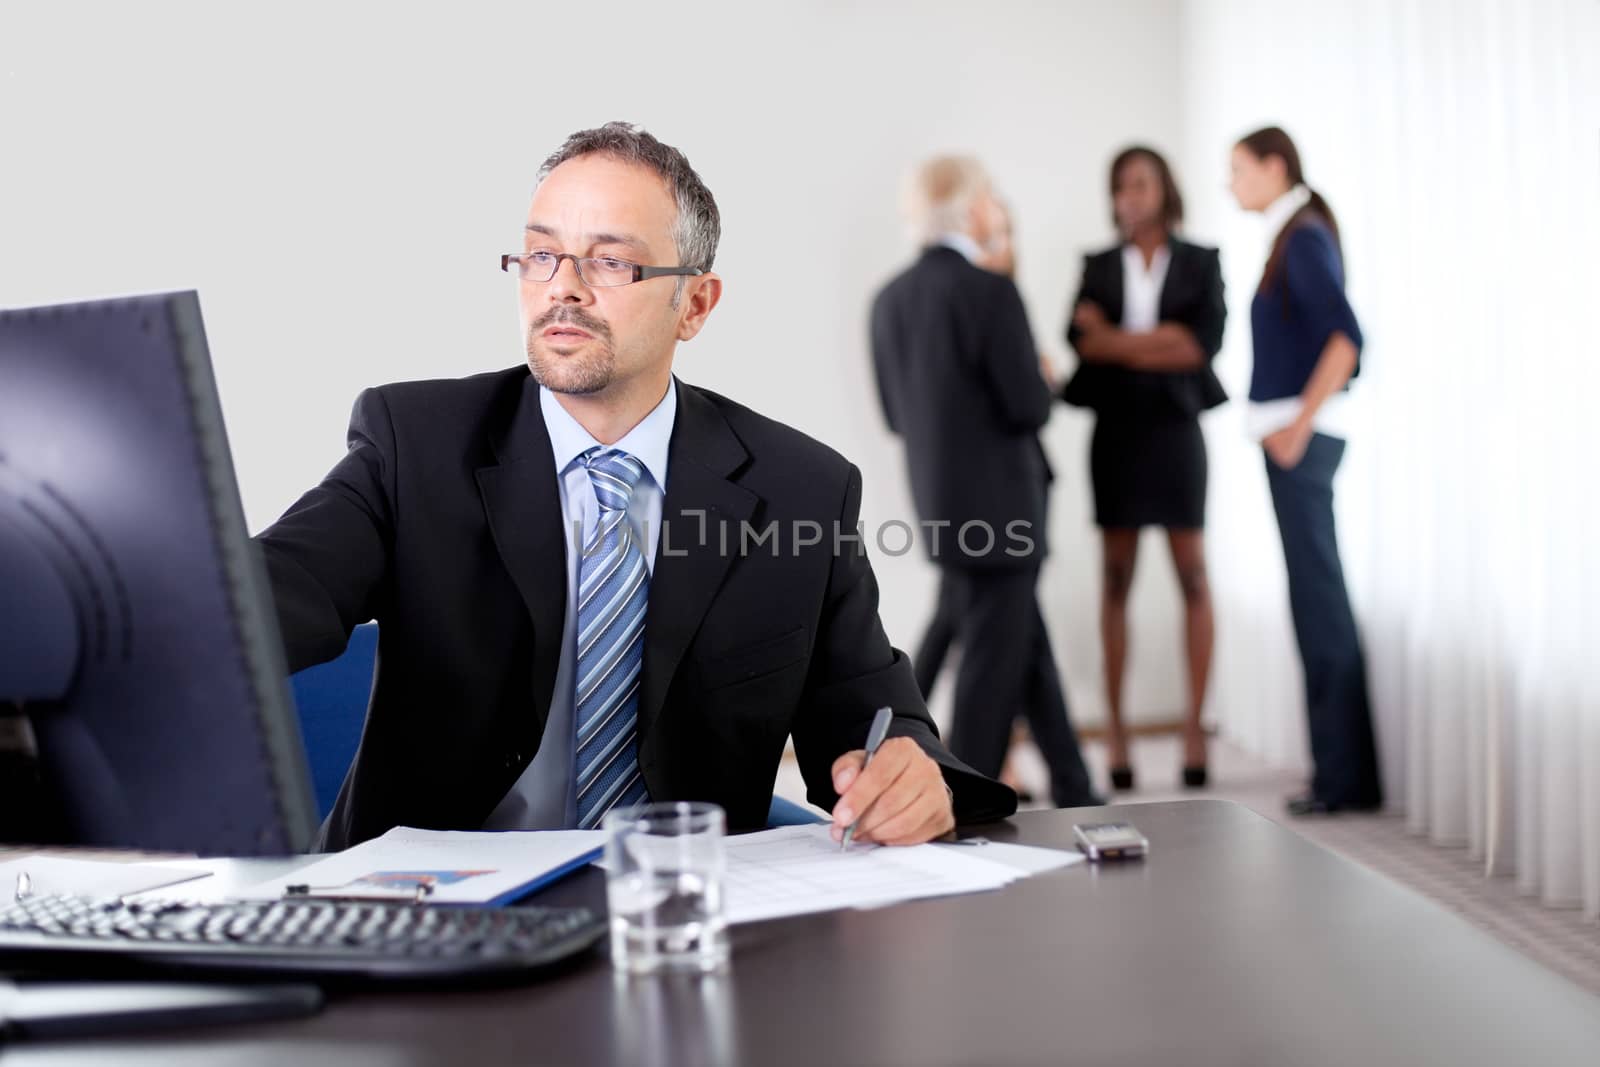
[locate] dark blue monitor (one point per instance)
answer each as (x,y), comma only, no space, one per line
(141,669)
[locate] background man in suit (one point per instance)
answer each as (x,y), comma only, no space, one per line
(572,614)
(959,378)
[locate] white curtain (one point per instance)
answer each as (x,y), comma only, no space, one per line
(1459,145)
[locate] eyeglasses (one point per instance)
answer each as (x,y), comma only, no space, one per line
(592,270)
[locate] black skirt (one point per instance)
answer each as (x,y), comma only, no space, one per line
(1148,470)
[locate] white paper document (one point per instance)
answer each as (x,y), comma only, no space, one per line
(794,870)
(49,875)
(455,867)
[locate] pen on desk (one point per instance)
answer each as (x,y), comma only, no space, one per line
(419,893)
(875,736)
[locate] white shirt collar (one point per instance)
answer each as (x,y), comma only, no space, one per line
(1133,260)
(961,243)
(648,442)
(1278,213)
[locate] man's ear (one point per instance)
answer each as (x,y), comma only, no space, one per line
(701,296)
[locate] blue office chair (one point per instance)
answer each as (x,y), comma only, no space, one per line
(788,813)
(332,701)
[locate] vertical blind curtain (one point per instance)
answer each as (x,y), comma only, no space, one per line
(1459,144)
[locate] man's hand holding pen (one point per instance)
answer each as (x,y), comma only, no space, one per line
(900,798)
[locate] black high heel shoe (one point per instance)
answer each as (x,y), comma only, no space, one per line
(1195,777)
(1122,779)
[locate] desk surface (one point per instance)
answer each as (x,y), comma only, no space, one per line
(1236,942)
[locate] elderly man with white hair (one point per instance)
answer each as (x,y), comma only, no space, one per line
(959,378)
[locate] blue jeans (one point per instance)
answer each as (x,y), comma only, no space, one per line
(1340,718)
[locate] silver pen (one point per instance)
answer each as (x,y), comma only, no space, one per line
(875,736)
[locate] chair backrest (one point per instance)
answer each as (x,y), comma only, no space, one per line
(788,813)
(332,701)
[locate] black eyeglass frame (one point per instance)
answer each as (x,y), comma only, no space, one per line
(641,273)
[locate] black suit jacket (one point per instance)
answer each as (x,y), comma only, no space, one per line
(443,522)
(1191,296)
(958,377)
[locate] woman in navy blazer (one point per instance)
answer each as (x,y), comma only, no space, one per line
(1146,323)
(1307,348)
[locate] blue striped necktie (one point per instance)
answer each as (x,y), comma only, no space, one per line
(613,589)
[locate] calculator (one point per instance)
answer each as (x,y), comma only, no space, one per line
(1110,840)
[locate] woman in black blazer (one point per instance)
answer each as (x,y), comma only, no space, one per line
(1146,323)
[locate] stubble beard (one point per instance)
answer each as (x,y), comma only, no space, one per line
(574,374)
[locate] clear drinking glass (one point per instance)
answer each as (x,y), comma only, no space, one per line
(664,870)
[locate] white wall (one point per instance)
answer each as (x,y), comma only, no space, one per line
(338,179)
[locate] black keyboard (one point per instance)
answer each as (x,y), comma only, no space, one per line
(327,940)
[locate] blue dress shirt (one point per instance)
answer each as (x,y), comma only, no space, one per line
(544,797)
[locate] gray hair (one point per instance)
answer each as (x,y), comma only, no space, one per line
(939,194)
(698,226)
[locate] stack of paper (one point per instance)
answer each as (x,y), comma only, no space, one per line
(789,871)
(798,869)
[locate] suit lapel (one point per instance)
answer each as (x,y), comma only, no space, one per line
(523,507)
(1113,288)
(1173,286)
(691,561)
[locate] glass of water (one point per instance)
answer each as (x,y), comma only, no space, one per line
(664,868)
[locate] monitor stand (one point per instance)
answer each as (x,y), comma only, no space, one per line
(28,813)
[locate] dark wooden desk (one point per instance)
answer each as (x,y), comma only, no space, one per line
(1237,942)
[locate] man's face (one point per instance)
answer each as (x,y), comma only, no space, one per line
(586,340)
(988,217)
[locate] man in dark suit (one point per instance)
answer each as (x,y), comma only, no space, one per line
(596,585)
(959,378)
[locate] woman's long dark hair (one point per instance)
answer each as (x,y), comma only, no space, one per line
(1171,199)
(1273,141)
